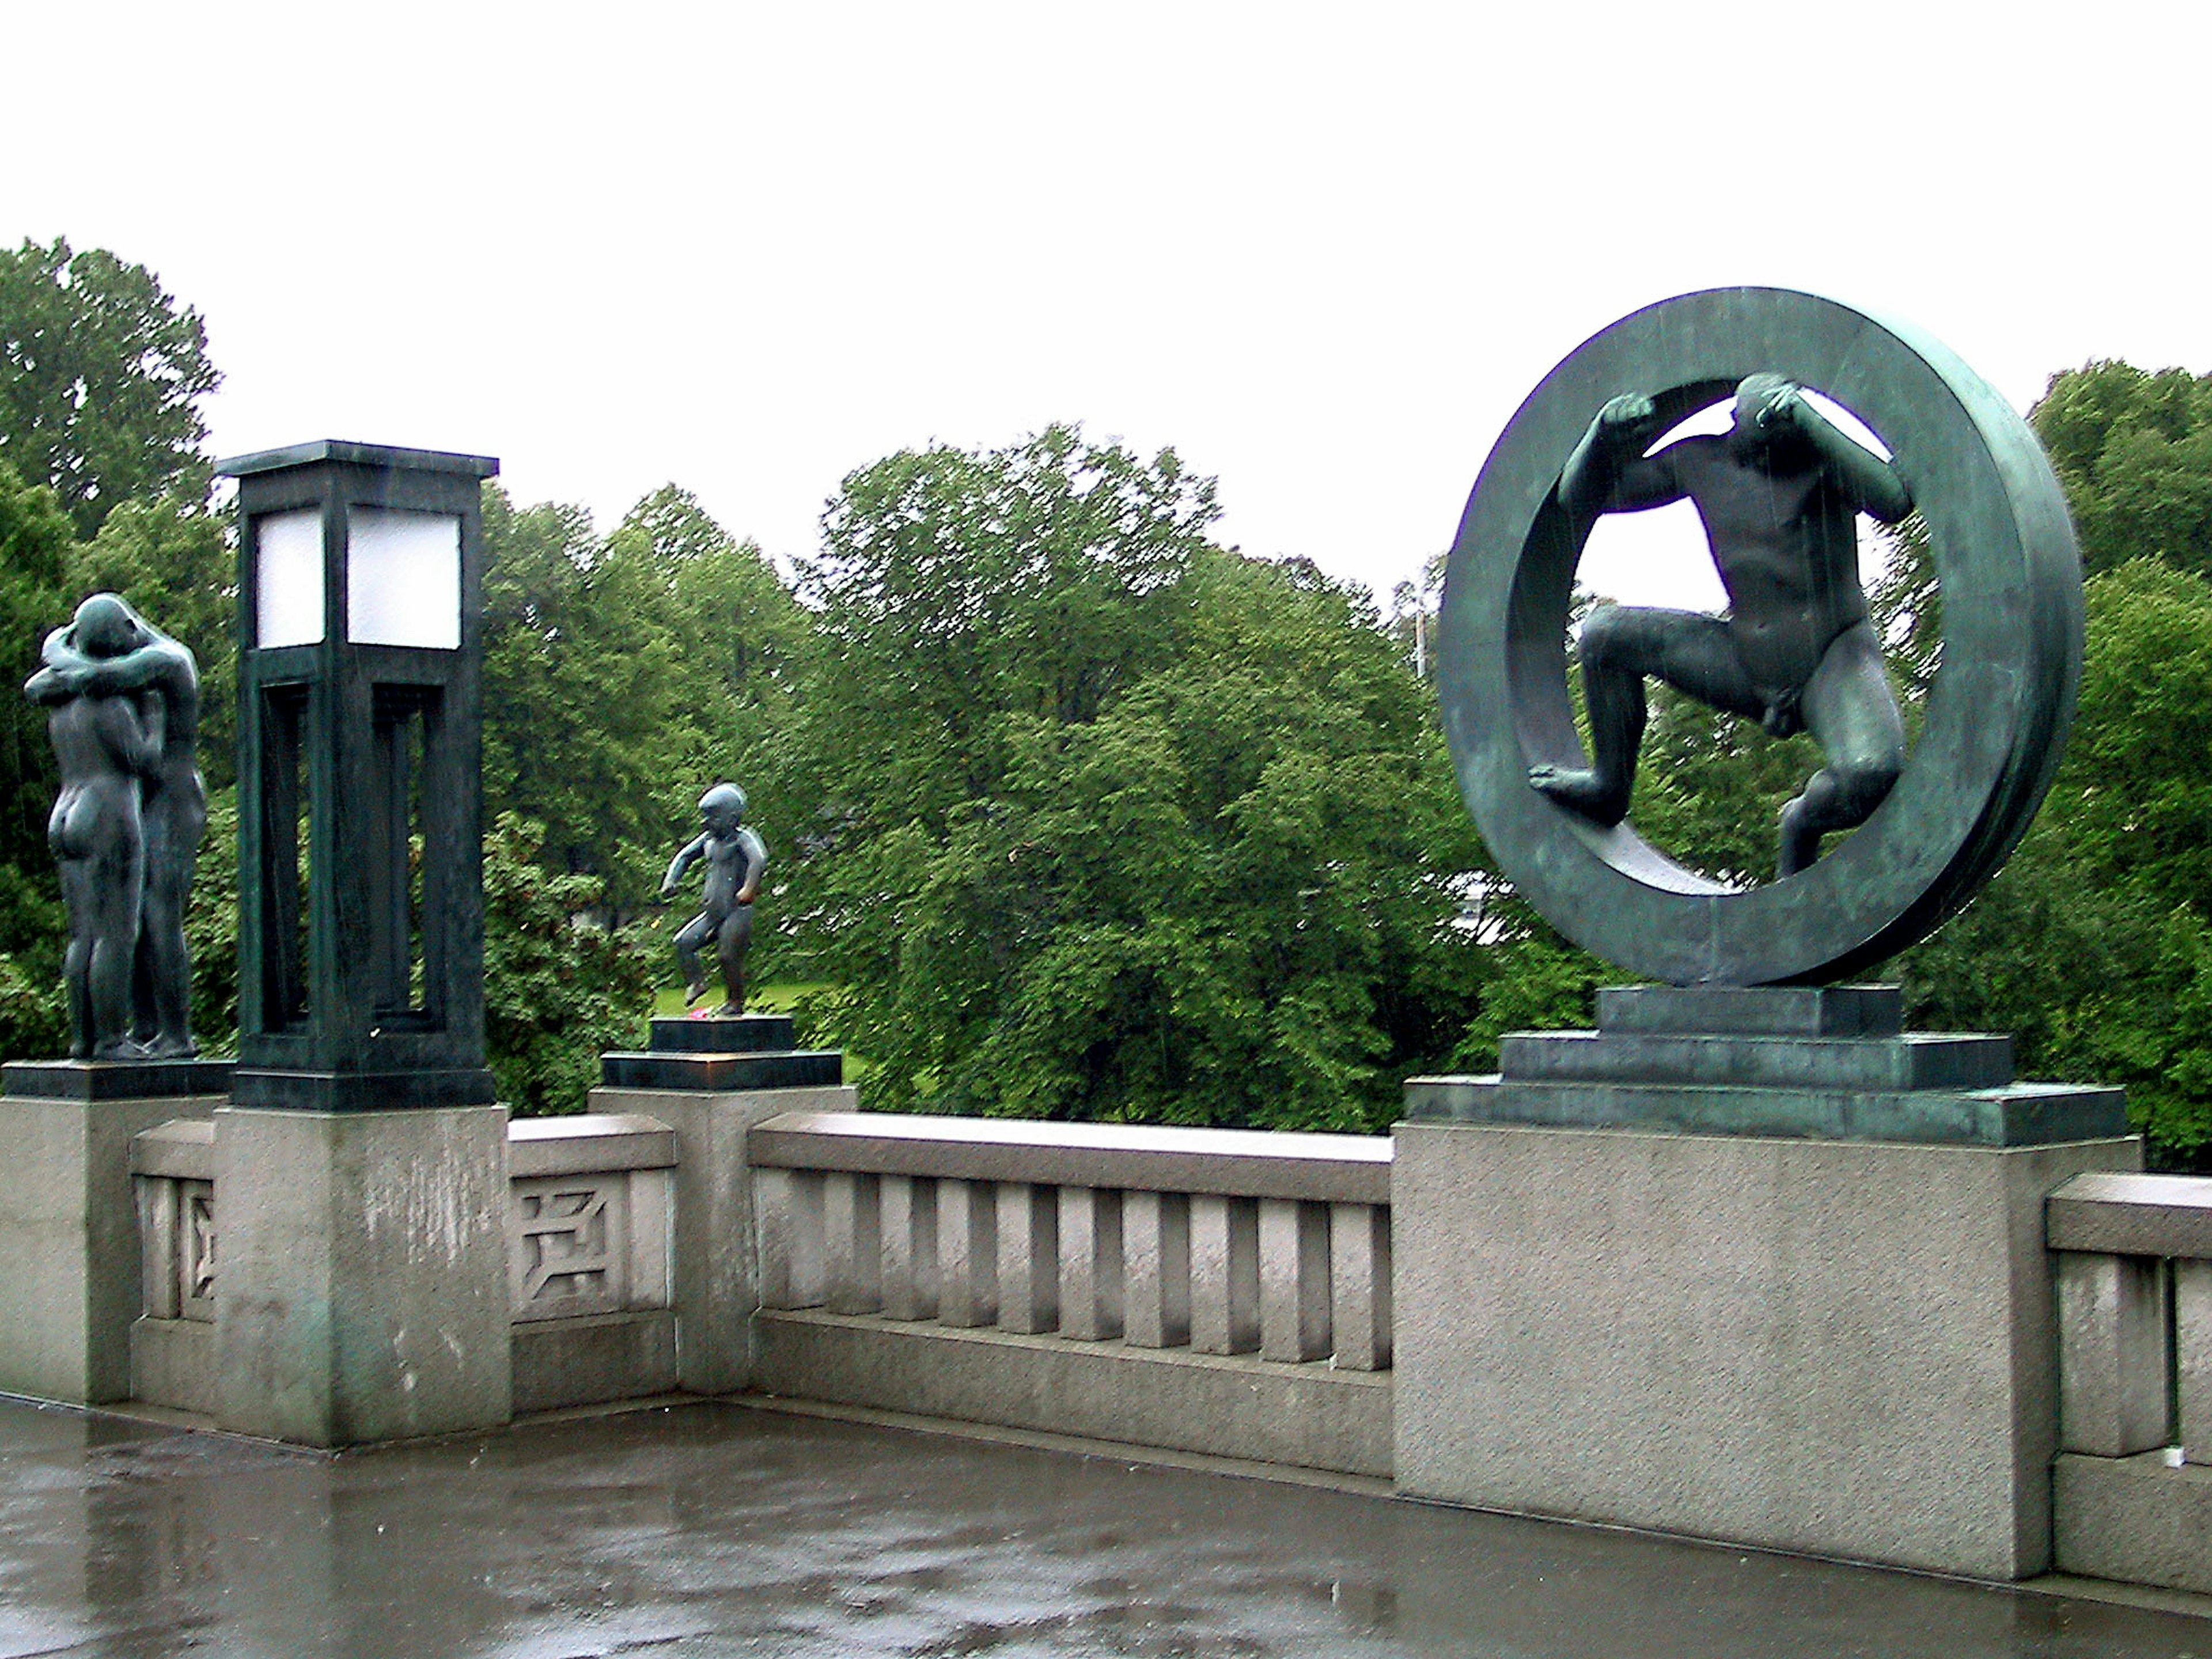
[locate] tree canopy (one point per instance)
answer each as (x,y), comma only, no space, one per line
(100,377)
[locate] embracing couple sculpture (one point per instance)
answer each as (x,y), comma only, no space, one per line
(123,705)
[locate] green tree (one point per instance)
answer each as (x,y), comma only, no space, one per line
(100,377)
(35,552)
(624,674)
(557,991)
(2134,449)
(1122,825)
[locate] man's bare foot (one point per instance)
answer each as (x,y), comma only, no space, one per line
(1580,792)
(731,1010)
(693,992)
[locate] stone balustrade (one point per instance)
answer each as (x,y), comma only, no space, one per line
(1261,1252)
(2133,1479)
(590,1236)
(1223,1241)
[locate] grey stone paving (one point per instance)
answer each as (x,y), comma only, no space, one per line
(713,1529)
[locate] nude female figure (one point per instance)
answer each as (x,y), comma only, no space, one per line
(107,744)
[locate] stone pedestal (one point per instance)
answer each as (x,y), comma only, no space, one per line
(712,1080)
(1833,1333)
(363,1278)
(69,1228)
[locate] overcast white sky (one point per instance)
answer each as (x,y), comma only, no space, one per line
(1323,253)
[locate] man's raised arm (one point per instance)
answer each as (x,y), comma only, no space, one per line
(1872,485)
(1609,472)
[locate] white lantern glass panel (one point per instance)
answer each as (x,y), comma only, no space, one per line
(404,578)
(288,574)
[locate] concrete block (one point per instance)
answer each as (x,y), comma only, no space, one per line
(1241,1163)
(792,1250)
(1224,1274)
(908,1209)
(2124,1212)
(173,1363)
(1090,1263)
(967,1253)
(2113,1359)
(1028,1257)
(362,1283)
(592,1360)
(1294,1281)
(1841,1348)
(1303,1416)
(853,1240)
(1360,1277)
(718,1251)
(1155,1269)
(2140,1520)
(68,1234)
(2192,1358)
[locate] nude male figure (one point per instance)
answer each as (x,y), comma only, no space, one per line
(173,806)
(1779,494)
(105,744)
(735,858)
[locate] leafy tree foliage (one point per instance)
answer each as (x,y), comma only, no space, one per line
(558,990)
(625,674)
(100,379)
(2135,452)
(1122,825)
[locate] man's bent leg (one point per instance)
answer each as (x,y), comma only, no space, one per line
(1851,713)
(1621,646)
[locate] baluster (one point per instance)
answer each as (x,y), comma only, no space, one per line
(1028,1257)
(2192,1359)
(1359,1276)
(1156,1258)
(787,1209)
(967,1253)
(1224,1275)
(852,1226)
(1090,1263)
(2113,1362)
(1294,1287)
(910,1230)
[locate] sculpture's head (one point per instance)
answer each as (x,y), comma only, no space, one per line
(1755,397)
(105,626)
(722,808)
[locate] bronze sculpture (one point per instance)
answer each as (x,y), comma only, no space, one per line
(1778,495)
(124,712)
(1993,723)
(735,857)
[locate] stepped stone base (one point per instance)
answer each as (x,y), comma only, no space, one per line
(1824,1063)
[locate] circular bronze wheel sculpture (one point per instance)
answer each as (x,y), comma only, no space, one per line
(1995,718)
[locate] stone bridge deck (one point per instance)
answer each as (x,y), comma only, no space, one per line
(718,1529)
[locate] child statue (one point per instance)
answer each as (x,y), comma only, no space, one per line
(735,858)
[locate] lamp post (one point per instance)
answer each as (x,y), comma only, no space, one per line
(361,1172)
(361,903)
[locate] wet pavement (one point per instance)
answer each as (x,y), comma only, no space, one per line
(711,1528)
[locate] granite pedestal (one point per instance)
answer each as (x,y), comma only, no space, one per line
(69,1227)
(1751,1266)
(712,1080)
(362,1281)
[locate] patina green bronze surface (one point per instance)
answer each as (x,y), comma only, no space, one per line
(1995,718)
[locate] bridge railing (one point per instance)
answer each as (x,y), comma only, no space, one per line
(1219,1242)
